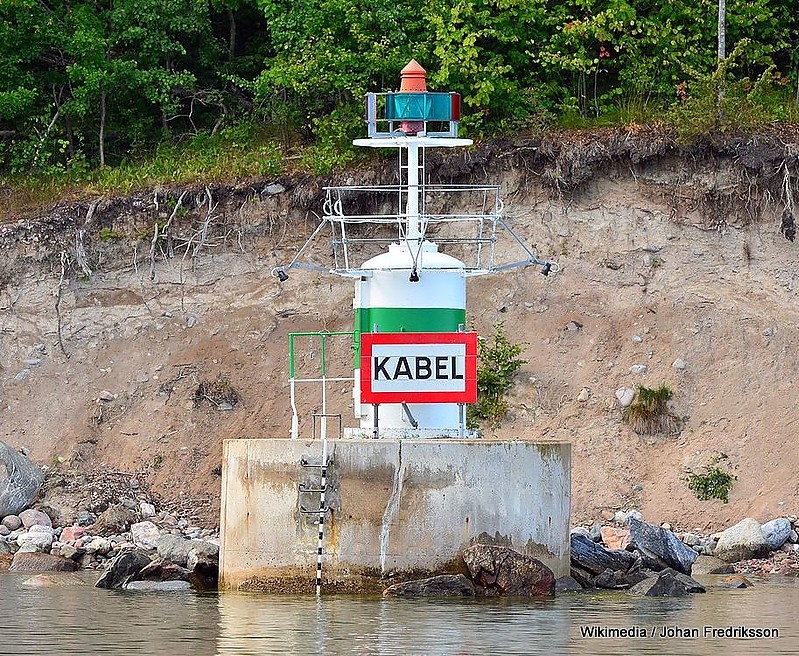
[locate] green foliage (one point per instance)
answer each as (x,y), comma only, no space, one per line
(648,414)
(714,483)
(498,362)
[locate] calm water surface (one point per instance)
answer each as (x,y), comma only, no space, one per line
(85,620)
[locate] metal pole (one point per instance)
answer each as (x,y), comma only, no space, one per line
(412,205)
(376,429)
(321,522)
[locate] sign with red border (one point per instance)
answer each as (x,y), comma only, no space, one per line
(418,367)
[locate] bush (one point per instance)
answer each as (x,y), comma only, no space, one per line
(648,414)
(498,362)
(713,484)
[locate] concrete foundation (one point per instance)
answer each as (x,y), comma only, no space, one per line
(397,508)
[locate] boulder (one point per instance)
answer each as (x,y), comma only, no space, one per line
(31,517)
(567,584)
(116,519)
(158,586)
(20,480)
(615,538)
(12,522)
(41,562)
(711,565)
(666,583)
(54,580)
(445,585)
(741,542)
(126,564)
(776,532)
(660,548)
(161,570)
(595,559)
(737,582)
(145,534)
(41,540)
(173,548)
(202,554)
(500,571)
(72,533)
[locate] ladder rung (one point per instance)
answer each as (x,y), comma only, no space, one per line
(304,510)
(306,463)
(311,489)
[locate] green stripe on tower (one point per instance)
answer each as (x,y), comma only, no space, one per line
(406,320)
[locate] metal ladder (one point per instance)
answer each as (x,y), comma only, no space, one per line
(321,490)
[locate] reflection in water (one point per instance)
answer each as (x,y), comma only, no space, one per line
(85,620)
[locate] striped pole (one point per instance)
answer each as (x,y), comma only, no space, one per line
(321,522)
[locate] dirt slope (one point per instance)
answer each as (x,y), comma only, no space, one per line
(663,257)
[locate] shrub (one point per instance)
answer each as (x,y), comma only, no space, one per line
(648,414)
(498,362)
(713,484)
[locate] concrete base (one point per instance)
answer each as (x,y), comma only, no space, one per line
(397,508)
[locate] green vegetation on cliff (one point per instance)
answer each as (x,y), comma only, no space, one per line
(116,94)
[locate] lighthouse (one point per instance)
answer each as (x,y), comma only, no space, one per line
(405,487)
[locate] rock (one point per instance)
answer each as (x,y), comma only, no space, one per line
(173,548)
(582,530)
(667,583)
(625,396)
(4,548)
(793,537)
(584,395)
(737,582)
(679,364)
(496,570)
(776,532)
(711,565)
(145,534)
(85,518)
(158,586)
(72,533)
(638,369)
(202,554)
(41,562)
(573,326)
(12,522)
(161,570)
(595,559)
(191,321)
(68,551)
(32,517)
(596,532)
(105,395)
(274,189)
(623,516)
(53,580)
(660,548)
(615,538)
(638,339)
(147,510)
(742,542)
(98,545)
(445,585)
(41,540)
(567,584)
(20,480)
(23,374)
(116,519)
(127,564)
(4,530)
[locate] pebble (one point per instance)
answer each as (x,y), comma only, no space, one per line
(625,396)
(22,375)
(638,369)
(105,395)
(679,364)
(584,395)
(638,339)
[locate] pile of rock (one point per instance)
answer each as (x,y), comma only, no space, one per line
(29,542)
(653,560)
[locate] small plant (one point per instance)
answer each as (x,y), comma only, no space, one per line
(109,234)
(498,362)
(713,484)
(217,392)
(648,414)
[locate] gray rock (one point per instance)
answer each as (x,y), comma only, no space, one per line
(41,562)
(679,364)
(445,585)
(595,559)
(23,374)
(498,571)
(85,518)
(145,534)
(116,519)
(127,564)
(4,530)
(173,548)
(667,583)
(567,584)
(596,532)
(638,369)
(20,480)
(274,189)
(741,542)
(711,565)
(660,548)
(625,396)
(776,532)
(158,586)
(12,522)
(202,554)
(33,517)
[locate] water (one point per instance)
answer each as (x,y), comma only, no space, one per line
(85,620)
